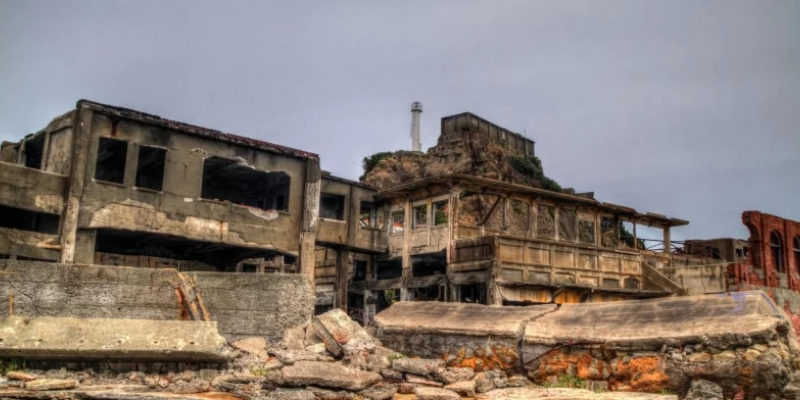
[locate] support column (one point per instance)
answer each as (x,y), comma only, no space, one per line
(82,133)
(407,271)
(308,229)
(342,275)
(84,246)
(667,242)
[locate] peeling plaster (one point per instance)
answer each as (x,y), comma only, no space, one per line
(50,203)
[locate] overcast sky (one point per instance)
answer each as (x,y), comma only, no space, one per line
(685,108)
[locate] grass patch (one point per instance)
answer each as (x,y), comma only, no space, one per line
(11,364)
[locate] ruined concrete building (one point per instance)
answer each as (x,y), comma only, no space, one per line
(111,186)
(472,220)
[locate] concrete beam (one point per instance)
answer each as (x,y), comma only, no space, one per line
(61,338)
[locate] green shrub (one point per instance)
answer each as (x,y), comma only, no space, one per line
(532,167)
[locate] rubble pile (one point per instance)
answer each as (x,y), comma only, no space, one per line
(477,156)
(331,358)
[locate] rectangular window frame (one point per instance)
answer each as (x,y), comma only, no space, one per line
(339,212)
(441,213)
(124,157)
(397,217)
(139,182)
(419,220)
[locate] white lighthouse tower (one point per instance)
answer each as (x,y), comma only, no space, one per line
(416,110)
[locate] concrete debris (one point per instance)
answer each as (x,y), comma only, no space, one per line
(20,376)
(465,388)
(328,394)
(256,346)
(422,381)
(428,393)
(381,391)
(340,333)
(51,384)
(328,375)
(419,366)
(453,375)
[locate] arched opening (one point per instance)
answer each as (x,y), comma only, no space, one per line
(797,253)
(777,251)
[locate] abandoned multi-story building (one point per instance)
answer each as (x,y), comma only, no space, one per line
(107,185)
(471,220)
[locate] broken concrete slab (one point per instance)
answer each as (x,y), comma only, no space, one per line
(722,321)
(381,391)
(337,330)
(56,338)
(328,375)
(256,346)
(465,335)
(428,393)
(464,388)
(20,376)
(418,366)
(51,384)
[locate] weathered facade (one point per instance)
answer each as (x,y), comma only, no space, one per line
(107,185)
(111,186)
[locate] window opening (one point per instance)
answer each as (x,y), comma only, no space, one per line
(441,212)
(777,251)
(232,180)
(150,168)
(367,216)
(420,217)
(398,221)
(31,221)
(34,152)
(331,206)
(111,155)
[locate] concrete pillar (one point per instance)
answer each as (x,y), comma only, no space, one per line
(308,229)
(407,271)
(82,133)
(84,246)
(342,276)
(667,242)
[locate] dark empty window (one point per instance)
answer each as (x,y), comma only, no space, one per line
(797,253)
(111,154)
(150,168)
(739,253)
(472,293)
(232,179)
(389,269)
(331,206)
(34,152)
(250,268)
(25,220)
(360,271)
(776,245)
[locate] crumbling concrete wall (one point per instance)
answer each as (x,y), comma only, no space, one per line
(464,335)
(741,341)
(242,304)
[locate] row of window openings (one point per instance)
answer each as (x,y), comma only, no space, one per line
(420,219)
(332,207)
(776,245)
(223,179)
